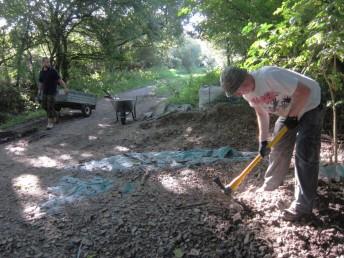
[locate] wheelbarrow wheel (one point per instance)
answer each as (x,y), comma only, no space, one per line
(123,118)
(86,110)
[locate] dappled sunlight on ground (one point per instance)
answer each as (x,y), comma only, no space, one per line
(43,162)
(121,148)
(326,154)
(86,155)
(18,148)
(104,125)
(196,139)
(27,186)
(182,182)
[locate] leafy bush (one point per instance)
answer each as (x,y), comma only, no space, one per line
(11,101)
(188,92)
(117,81)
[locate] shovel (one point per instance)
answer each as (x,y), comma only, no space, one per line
(234,184)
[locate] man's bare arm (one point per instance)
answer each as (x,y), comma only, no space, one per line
(61,82)
(263,119)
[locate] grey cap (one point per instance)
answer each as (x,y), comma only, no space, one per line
(232,78)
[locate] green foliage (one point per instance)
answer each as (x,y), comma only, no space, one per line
(118,81)
(226,23)
(188,91)
(23,117)
(309,39)
(186,56)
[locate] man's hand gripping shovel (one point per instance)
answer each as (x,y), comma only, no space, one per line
(234,184)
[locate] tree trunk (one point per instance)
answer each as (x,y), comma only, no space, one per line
(331,86)
(228,53)
(64,61)
(24,40)
(2,55)
(334,126)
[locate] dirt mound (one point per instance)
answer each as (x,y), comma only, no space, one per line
(221,125)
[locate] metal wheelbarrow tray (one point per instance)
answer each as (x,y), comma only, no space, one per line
(76,100)
(124,107)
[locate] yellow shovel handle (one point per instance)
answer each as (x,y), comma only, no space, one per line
(234,184)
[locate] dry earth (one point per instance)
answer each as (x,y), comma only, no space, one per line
(170,213)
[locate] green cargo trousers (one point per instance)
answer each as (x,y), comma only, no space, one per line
(48,103)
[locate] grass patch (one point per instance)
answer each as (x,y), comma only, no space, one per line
(122,81)
(21,118)
(186,92)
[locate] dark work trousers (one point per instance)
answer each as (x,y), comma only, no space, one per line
(48,103)
(306,139)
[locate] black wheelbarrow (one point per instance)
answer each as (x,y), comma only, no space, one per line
(124,107)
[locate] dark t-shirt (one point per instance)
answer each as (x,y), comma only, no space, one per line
(49,80)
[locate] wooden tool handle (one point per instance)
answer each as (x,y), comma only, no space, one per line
(234,184)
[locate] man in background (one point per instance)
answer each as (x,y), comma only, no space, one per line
(48,80)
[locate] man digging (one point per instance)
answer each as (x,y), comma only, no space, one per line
(295,98)
(48,80)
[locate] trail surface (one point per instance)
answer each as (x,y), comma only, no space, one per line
(167,213)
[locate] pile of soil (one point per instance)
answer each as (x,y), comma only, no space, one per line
(170,213)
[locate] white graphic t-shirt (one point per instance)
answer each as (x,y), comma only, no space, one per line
(274,87)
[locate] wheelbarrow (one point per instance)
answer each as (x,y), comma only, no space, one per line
(122,107)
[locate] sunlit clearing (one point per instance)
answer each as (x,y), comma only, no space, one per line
(91,137)
(43,161)
(28,185)
(121,148)
(195,20)
(104,125)
(179,183)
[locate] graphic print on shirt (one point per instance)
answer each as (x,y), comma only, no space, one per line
(273,102)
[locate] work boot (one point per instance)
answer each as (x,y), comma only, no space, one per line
(266,188)
(50,124)
(293,215)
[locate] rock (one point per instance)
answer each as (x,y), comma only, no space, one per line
(247,238)
(67,233)
(194,252)
(221,252)
(75,240)
(107,214)
(237,217)
(120,222)
(178,252)
(87,242)
(133,230)
(279,241)
(262,249)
